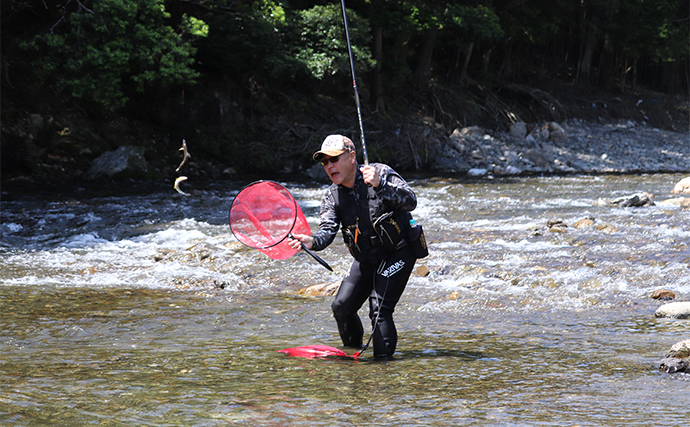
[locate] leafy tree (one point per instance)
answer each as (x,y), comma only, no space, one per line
(479,25)
(323,46)
(655,30)
(247,44)
(530,28)
(117,47)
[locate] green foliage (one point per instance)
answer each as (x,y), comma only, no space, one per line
(323,47)
(195,26)
(538,22)
(247,46)
(657,29)
(271,12)
(118,47)
(481,22)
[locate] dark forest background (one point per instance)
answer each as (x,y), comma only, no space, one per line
(254,86)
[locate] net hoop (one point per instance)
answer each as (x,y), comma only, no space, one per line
(238,207)
(263,215)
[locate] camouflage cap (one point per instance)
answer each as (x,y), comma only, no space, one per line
(334,145)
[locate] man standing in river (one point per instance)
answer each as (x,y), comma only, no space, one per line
(371,204)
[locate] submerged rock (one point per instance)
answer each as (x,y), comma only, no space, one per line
(663,294)
(584,223)
(674,310)
(635,200)
(422,271)
(556,226)
(682,202)
(672,365)
(321,289)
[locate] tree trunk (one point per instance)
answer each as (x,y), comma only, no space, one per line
(606,64)
(376,72)
(624,73)
(506,62)
(587,55)
(423,71)
(486,58)
(466,64)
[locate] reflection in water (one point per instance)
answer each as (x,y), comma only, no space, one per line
(142,309)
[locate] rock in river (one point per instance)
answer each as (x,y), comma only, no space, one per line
(676,360)
(672,365)
(675,310)
(683,186)
(680,350)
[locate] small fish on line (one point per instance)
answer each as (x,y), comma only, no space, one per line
(177,185)
(186,155)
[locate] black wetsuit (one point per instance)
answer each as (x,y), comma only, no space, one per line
(377,274)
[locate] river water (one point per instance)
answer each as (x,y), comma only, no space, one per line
(131,304)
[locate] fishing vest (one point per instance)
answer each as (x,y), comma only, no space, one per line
(371,231)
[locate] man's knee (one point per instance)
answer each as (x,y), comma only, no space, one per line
(340,312)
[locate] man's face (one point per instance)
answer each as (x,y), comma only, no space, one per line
(341,169)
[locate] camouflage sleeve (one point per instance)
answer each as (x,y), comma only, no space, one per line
(394,190)
(330,222)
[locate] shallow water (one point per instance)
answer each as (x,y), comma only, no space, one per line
(133,305)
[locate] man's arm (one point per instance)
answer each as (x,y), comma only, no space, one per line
(328,227)
(394,190)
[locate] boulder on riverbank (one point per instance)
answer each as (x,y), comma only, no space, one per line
(674,310)
(126,162)
(573,146)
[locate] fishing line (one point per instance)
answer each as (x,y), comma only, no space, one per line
(183,113)
(378,312)
(354,85)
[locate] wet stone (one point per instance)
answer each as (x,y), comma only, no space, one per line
(680,350)
(422,271)
(584,223)
(663,294)
(321,289)
(674,310)
(672,365)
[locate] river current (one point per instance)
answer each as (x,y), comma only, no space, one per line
(131,304)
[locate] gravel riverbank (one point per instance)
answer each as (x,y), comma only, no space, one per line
(573,146)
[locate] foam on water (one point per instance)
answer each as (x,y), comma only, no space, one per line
(481,237)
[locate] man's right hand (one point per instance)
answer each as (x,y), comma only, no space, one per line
(297,239)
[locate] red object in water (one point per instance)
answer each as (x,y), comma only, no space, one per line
(317,351)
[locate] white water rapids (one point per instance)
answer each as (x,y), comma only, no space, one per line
(488,239)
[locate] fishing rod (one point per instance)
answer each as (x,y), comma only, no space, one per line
(354,85)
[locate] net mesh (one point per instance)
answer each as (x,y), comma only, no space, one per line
(262,216)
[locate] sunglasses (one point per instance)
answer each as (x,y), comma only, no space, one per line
(331,159)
